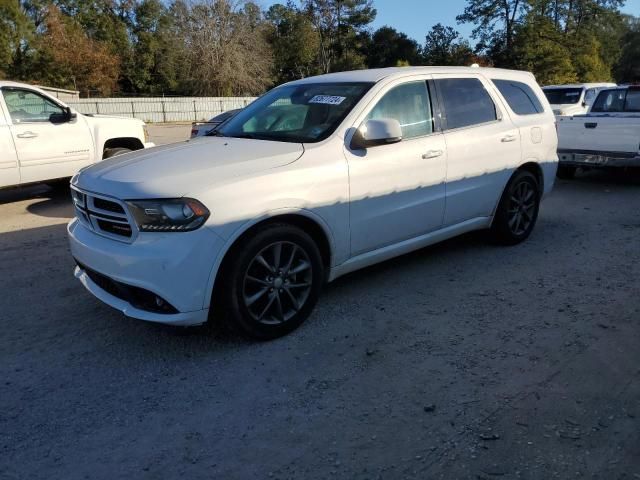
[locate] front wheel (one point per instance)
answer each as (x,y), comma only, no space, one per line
(114,152)
(517,211)
(273,281)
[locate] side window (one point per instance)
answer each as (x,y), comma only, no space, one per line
(632,103)
(409,104)
(26,106)
(466,102)
(519,96)
(590,96)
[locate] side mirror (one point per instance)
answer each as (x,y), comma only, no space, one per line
(373,133)
(66,116)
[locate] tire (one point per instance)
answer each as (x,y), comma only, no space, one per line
(255,295)
(60,185)
(113,152)
(566,172)
(517,211)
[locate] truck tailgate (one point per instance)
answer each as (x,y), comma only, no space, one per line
(599,134)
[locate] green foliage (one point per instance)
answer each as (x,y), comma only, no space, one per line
(627,69)
(224,47)
(295,42)
(390,48)
(443,46)
(560,41)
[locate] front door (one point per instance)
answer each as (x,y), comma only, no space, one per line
(9,173)
(397,191)
(46,150)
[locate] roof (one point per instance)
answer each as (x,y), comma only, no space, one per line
(582,85)
(377,74)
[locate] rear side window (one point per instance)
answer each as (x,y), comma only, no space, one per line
(609,101)
(466,102)
(632,103)
(408,104)
(519,96)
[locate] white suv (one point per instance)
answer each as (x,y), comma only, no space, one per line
(315,179)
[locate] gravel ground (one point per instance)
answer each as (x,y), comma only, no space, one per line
(460,361)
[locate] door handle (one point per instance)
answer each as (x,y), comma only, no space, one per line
(590,125)
(509,138)
(28,134)
(432,154)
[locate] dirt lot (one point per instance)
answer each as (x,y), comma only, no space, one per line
(461,361)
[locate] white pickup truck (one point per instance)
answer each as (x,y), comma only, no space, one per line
(42,139)
(607,136)
(573,99)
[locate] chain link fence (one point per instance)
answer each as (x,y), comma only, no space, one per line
(161,109)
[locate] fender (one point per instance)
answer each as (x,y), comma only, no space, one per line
(213,275)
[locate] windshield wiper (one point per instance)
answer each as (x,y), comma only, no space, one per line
(214,133)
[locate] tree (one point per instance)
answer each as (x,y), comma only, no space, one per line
(16,33)
(390,48)
(294,41)
(496,22)
(226,49)
(627,69)
(341,26)
(443,46)
(69,58)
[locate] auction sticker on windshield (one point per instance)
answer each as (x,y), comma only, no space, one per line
(327,99)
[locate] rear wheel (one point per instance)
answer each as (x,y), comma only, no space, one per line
(113,152)
(566,172)
(272,282)
(517,211)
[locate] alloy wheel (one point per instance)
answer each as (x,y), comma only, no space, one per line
(522,207)
(277,283)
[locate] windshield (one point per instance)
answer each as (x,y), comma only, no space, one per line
(296,113)
(563,96)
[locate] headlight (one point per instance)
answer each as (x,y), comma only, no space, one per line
(172,215)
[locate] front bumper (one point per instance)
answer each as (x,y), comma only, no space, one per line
(598,159)
(174,266)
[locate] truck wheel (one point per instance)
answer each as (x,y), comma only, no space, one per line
(273,282)
(112,152)
(517,211)
(566,172)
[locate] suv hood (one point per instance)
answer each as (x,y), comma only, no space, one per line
(173,171)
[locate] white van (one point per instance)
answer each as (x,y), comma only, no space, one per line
(573,99)
(315,179)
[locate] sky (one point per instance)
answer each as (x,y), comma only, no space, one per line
(416,17)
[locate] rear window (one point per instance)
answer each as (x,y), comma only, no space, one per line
(610,101)
(519,96)
(466,102)
(563,96)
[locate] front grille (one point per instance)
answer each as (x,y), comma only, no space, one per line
(108,205)
(138,297)
(105,216)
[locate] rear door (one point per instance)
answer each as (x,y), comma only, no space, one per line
(45,150)
(537,131)
(483,146)
(9,172)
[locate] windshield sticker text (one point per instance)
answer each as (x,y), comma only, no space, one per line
(327,99)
